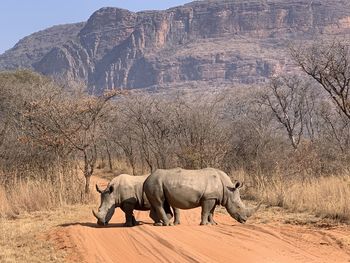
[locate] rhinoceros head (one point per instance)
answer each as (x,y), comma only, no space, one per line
(107,207)
(235,206)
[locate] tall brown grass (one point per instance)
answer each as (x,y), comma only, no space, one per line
(34,193)
(326,197)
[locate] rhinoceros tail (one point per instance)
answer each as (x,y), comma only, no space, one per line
(167,209)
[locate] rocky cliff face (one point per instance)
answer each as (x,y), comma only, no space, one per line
(33,48)
(219,41)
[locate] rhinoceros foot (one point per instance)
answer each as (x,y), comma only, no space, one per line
(128,224)
(163,224)
(134,222)
(212,222)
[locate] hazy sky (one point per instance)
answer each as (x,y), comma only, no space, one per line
(19,18)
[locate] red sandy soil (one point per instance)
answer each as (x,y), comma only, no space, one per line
(227,242)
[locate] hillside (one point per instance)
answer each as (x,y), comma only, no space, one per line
(198,44)
(33,48)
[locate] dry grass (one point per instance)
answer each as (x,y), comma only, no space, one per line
(325,197)
(30,195)
(5,206)
(26,238)
(119,167)
(29,208)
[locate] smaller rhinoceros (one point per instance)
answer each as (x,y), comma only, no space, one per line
(126,191)
(186,189)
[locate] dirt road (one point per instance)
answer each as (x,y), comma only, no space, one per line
(227,242)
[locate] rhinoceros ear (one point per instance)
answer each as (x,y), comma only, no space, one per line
(238,184)
(110,189)
(98,189)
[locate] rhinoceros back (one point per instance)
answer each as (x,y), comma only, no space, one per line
(130,188)
(186,188)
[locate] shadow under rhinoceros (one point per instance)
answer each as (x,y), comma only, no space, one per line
(111,225)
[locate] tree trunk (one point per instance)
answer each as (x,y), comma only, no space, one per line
(87,184)
(89,165)
(110,164)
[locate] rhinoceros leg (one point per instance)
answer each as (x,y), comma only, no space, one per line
(158,206)
(207,207)
(163,216)
(211,217)
(154,216)
(134,222)
(157,200)
(176,216)
(128,209)
(167,210)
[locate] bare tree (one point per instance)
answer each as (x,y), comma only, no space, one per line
(335,127)
(122,134)
(68,122)
(329,65)
(201,136)
(288,98)
(84,132)
(149,124)
(165,132)
(252,131)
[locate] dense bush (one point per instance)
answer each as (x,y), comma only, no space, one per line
(287,130)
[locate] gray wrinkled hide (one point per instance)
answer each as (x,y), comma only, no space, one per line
(126,191)
(186,189)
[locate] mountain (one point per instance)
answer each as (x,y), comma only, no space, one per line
(33,48)
(203,43)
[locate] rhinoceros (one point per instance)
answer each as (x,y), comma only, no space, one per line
(186,189)
(126,191)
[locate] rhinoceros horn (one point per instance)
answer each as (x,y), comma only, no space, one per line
(95,214)
(252,210)
(98,189)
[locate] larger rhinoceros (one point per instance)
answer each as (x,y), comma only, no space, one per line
(186,189)
(126,191)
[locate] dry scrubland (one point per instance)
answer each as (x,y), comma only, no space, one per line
(31,195)
(288,141)
(28,237)
(31,232)
(324,197)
